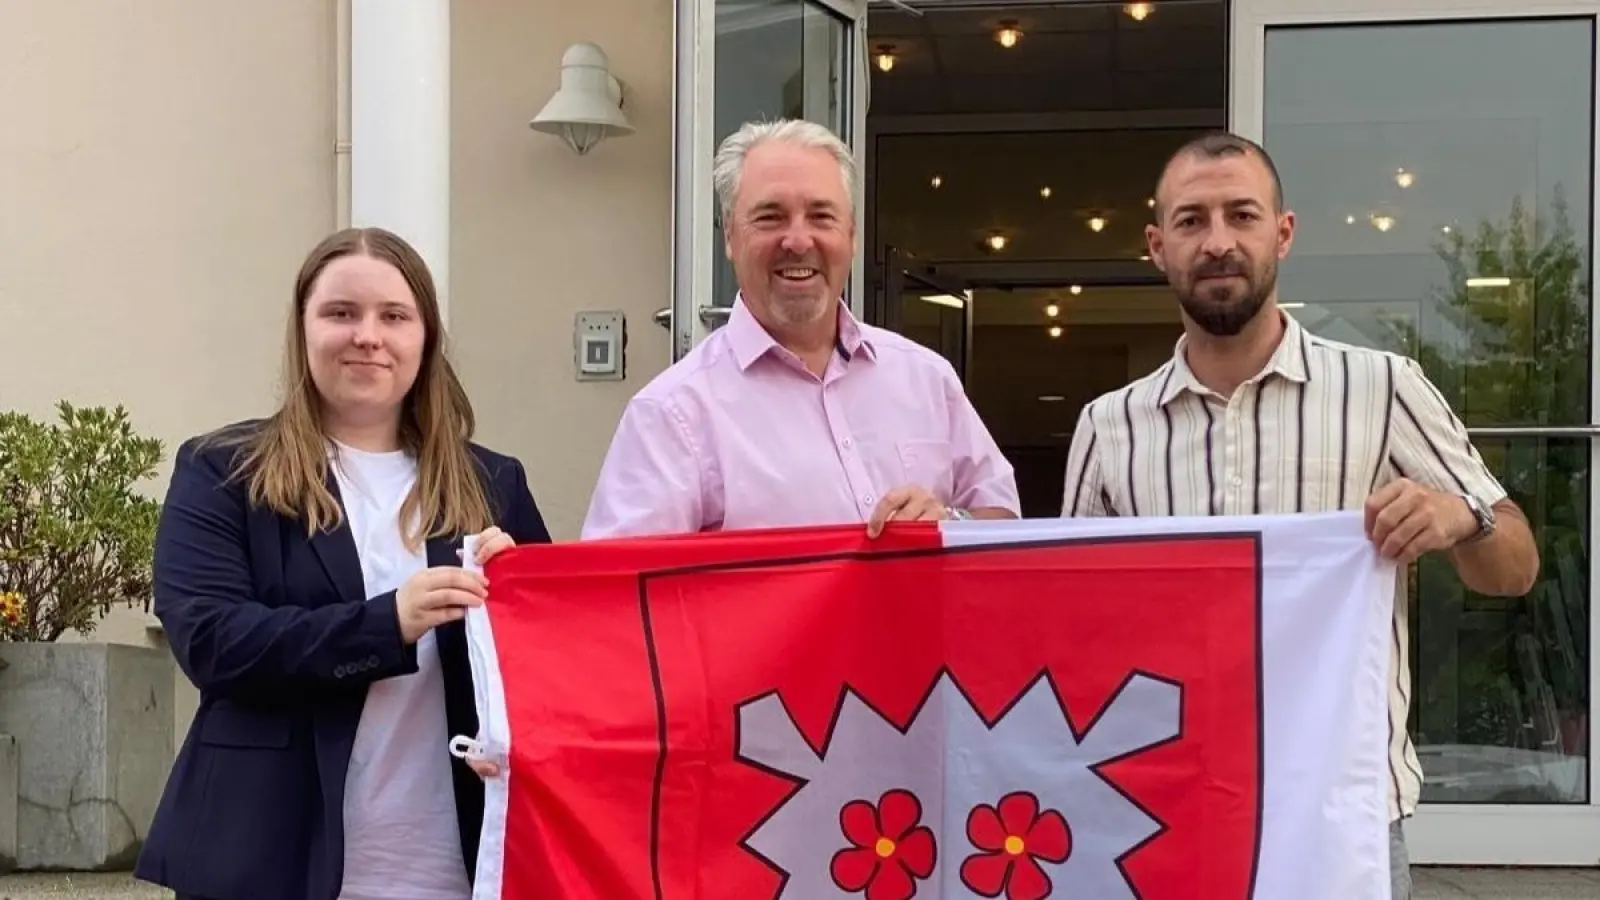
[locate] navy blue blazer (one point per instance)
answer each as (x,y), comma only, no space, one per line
(275,629)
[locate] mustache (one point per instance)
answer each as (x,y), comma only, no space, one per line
(1216,268)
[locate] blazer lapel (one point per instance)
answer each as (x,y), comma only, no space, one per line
(337,551)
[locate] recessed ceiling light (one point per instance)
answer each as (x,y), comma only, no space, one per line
(1076,289)
(1404,179)
(1055,332)
(937,181)
(1383,223)
(1097,223)
(885,57)
(1052,310)
(1349,220)
(1045,192)
(1138,11)
(1150,202)
(1009,34)
(996,241)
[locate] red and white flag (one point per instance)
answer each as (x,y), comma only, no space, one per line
(1105,709)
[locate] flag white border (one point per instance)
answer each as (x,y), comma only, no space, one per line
(494,734)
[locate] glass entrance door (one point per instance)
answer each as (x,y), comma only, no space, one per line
(1441,169)
(740,61)
(928,307)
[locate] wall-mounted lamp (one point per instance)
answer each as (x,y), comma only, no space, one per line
(587,108)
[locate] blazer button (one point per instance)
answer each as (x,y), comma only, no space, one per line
(372,662)
(340,671)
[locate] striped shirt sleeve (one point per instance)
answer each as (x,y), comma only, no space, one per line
(1428,442)
(1084,490)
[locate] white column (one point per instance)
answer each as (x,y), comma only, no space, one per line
(400,126)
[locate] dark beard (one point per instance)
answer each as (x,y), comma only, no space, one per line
(1229,318)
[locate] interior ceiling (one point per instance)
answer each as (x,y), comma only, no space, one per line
(948,180)
(941,196)
(1069,57)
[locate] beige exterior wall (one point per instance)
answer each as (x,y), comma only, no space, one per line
(164,165)
(540,234)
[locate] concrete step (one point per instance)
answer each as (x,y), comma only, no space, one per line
(98,886)
(1506,884)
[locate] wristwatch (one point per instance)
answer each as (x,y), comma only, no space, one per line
(1484,516)
(958,515)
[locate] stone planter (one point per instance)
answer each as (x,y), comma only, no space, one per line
(94,742)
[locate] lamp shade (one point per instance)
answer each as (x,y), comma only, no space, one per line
(587,108)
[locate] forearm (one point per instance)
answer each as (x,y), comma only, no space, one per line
(1506,563)
(242,647)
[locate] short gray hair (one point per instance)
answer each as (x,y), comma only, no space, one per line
(729,166)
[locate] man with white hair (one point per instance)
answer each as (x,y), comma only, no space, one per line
(794,412)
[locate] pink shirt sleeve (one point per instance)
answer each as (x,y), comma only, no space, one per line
(650,482)
(983,476)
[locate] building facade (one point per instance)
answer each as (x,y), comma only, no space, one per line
(166,164)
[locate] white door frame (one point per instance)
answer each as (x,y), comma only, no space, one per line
(693,148)
(1451,834)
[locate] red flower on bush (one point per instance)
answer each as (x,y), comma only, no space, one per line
(890,850)
(1015,836)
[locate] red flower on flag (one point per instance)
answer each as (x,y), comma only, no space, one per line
(890,848)
(1016,836)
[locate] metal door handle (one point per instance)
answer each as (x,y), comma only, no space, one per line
(712,316)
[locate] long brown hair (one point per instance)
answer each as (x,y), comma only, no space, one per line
(285,458)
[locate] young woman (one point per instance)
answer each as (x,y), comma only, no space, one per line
(307,572)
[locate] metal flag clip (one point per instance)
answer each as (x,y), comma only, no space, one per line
(463,747)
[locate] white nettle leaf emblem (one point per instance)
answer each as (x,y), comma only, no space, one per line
(951,807)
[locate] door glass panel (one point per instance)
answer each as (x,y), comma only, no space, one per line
(937,320)
(774,59)
(1441,176)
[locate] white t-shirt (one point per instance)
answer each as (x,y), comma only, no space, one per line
(401,837)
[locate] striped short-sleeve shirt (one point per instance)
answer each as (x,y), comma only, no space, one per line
(1322,426)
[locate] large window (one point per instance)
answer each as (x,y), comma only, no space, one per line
(1442,178)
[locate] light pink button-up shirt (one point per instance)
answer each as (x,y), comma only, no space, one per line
(739,434)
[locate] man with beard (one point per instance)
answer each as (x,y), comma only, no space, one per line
(1255,415)
(794,413)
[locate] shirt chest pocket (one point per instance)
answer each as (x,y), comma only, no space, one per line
(927,464)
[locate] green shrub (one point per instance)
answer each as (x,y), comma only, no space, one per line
(76,537)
